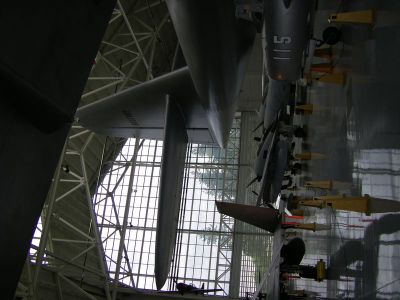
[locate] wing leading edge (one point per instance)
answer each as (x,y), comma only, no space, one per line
(140,110)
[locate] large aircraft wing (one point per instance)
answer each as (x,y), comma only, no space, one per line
(140,110)
(172,169)
(46,54)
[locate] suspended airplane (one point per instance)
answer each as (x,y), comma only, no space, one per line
(194,103)
(184,288)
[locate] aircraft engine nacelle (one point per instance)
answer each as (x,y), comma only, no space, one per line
(285,32)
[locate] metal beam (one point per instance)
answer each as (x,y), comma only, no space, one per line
(134,67)
(130,28)
(100,249)
(111,84)
(30,279)
(71,226)
(148,6)
(72,241)
(81,184)
(46,225)
(59,288)
(77,287)
(88,269)
(120,48)
(126,214)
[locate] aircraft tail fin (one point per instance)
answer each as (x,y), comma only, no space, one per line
(172,169)
(262,217)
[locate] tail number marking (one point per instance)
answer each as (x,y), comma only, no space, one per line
(282,39)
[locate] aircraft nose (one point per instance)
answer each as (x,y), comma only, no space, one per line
(221,122)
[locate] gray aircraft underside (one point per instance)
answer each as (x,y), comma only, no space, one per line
(140,111)
(196,103)
(286,26)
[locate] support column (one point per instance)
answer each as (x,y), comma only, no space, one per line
(243,175)
(126,214)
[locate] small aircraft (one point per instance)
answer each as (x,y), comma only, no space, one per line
(190,288)
(184,288)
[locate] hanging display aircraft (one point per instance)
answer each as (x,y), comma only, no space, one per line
(184,288)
